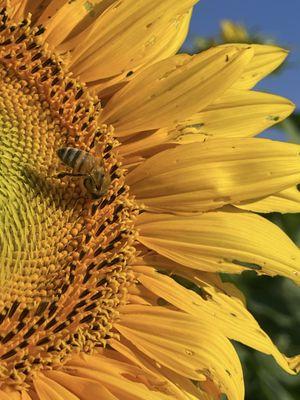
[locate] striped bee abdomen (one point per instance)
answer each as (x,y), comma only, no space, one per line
(81,161)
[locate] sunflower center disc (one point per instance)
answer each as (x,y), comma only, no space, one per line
(63,255)
(34,218)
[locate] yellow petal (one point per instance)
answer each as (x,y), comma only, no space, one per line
(172,268)
(18,9)
(9,393)
(287,201)
(129,351)
(25,396)
(123,380)
(186,346)
(4,396)
(47,389)
(149,144)
(181,388)
(128,34)
(37,9)
(177,34)
(173,89)
(222,242)
(105,88)
(95,10)
(226,312)
(238,113)
(85,389)
(266,59)
(205,176)
(62,17)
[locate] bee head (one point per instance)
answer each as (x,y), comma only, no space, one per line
(97,183)
(90,186)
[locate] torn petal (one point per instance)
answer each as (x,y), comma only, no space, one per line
(222,241)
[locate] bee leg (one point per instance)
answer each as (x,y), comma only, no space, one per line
(63,174)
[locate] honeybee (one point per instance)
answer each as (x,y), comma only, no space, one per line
(84,164)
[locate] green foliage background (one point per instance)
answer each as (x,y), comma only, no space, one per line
(275,304)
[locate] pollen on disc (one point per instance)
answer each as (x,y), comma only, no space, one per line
(64,256)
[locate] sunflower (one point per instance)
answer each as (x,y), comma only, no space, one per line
(94,292)
(233,32)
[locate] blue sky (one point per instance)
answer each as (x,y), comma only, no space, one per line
(277,19)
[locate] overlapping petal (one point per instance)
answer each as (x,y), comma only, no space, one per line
(18,9)
(166,379)
(172,90)
(222,241)
(186,346)
(176,35)
(63,18)
(182,388)
(265,60)
(286,201)
(36,8)
(204,176)
(13,394)
(48,389)
(238,113)
(118,379)
(173,39)
(84,388)
(128,34)
(224,310)
(4,396)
